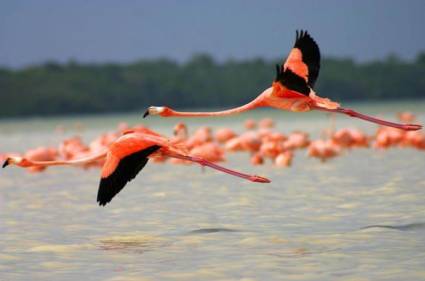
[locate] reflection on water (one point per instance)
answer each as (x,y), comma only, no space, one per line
(136,243)
(212,230)
(403,227)
(313,222)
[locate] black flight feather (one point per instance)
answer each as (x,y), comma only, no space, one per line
(292,81)
(310,54)
(126,170)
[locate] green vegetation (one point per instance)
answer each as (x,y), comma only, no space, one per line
(54,88)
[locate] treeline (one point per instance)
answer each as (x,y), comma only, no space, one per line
(54,88)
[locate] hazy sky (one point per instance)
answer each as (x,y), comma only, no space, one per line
(123,31)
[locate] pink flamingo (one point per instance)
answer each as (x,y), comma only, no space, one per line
(291,90)
(125,157)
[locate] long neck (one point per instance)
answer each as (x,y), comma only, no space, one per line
(251,105)
(80,161)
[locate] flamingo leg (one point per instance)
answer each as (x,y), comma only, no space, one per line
(203,163)
(355,114)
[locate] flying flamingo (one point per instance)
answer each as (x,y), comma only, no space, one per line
(126,157)
(291,90)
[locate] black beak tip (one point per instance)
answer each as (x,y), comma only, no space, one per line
(146,113)
(5,164)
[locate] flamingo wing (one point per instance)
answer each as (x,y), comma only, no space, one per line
(124,170)
(304,58)
(296,85)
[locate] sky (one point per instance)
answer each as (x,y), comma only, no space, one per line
(36,31)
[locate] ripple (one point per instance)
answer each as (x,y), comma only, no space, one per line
(59,248)
(401,227)
(132,242)
(212,230)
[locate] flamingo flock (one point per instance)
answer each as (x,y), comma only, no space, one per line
(259,140)
(124,153)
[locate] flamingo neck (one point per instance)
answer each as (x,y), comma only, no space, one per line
(258,102)
(29,163)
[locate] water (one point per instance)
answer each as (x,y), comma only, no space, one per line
(358,217)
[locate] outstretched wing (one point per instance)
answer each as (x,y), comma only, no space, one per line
(296,87)
(304,58)
(296,84)
(124,170)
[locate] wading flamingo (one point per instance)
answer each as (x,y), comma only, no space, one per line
(291,90)
(126,157)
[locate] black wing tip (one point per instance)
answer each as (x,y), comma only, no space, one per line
(310,54)
(146,113)
(103,203)
(300,33)
(303,34)
(128,168)
(105,192)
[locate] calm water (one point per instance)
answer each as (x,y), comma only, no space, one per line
(313,222)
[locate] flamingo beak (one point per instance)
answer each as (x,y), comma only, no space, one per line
(6,163)
(154,110)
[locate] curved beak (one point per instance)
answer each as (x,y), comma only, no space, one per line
(154,110)
(6,163)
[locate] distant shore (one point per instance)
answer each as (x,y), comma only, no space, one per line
(53,89)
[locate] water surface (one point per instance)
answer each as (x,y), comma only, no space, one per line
(358,217)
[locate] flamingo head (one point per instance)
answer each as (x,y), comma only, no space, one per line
(16,160)
(180,129)
(157,110)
